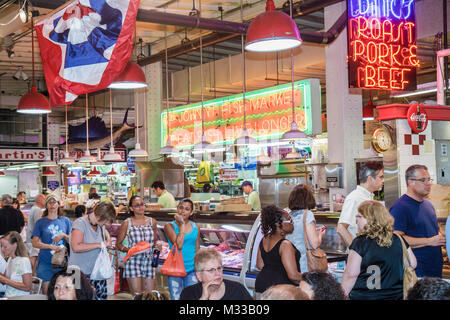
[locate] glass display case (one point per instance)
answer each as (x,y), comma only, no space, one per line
(236,237)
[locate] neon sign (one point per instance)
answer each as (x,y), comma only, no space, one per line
(382,50)
(268,116)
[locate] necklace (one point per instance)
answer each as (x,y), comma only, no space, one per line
(89,219)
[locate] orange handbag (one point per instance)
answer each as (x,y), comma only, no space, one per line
(174,264)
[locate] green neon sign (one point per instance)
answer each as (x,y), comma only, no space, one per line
(268,116)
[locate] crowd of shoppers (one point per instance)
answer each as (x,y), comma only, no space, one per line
(376,239)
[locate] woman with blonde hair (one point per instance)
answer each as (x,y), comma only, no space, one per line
(18,274)
(374,268)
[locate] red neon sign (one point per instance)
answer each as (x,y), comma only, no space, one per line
(382,53)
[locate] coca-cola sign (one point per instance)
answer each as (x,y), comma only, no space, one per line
(15,154)
(417,118)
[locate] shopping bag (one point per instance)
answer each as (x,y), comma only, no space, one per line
(102,268)
(174,265)
(138,248)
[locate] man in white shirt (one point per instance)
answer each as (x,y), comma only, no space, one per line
(35,214)
(371,178)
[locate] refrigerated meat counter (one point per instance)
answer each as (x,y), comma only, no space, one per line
(236,236)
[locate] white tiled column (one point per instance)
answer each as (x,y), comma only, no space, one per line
(153,73)
(406,157)
(344,107)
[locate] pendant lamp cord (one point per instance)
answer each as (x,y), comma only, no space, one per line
(32,49)
(201,67)
(167,85)
(244,89)
(137,115)
(110,116)
(87,123)
(292,71)
(67,146)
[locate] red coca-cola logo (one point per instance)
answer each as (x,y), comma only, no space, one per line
(417,118)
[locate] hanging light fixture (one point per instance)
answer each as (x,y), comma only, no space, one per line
(272,31)
(94,172)
(111,155)
(132,77)
(263,158)
(112,172)
(167,149)
(71,175)
(293,154)
(87,158)
(368,110)
(244,139)
(33,102)
(294,133)
(47,172)
(138,151)
(67,158)
(99,161)
(203,145)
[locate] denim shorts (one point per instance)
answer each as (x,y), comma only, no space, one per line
(177,284)
(45,271)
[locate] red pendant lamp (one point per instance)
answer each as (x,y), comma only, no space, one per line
(33,102)
(272,31)
(47,172)
(368,110)
(131,78)
(112,172)
(94,172)
(71,175)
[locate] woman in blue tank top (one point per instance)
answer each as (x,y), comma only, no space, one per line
(185,234)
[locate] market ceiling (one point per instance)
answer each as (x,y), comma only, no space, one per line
(220,22)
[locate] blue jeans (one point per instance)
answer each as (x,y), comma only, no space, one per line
(177,284)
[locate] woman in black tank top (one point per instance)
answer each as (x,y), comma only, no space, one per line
(278,259)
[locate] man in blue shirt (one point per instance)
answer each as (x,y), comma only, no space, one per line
(415,219)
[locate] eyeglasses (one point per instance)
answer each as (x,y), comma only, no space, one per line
(423,180)
(287,221)
(184,208)
(137,205)
(213,270)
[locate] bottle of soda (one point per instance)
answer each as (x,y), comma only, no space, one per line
(419,119)
(155,258)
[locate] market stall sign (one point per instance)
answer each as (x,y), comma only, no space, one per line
(382,50)
(53,185)
(76,154)
(16,154)
(268,116)
(229,174)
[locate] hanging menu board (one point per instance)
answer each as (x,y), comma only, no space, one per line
(382,50)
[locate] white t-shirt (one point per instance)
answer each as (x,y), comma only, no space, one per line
(350,208)
(3,265)
(14,270)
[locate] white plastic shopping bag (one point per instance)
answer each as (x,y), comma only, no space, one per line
(102,268)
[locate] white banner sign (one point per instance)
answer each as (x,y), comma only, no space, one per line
(15,154)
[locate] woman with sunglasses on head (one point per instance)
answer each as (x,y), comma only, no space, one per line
(50,235)
(88,235)
(277,258)
(186,235)
(301,201)
(138,271)
(212,286)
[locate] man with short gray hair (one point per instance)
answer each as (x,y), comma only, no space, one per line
(371,177)
(10,218)
(415,219)
(34,215)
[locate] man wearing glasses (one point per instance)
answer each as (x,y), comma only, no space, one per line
(415,219)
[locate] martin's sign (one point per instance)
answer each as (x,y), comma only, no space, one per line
(20,154)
